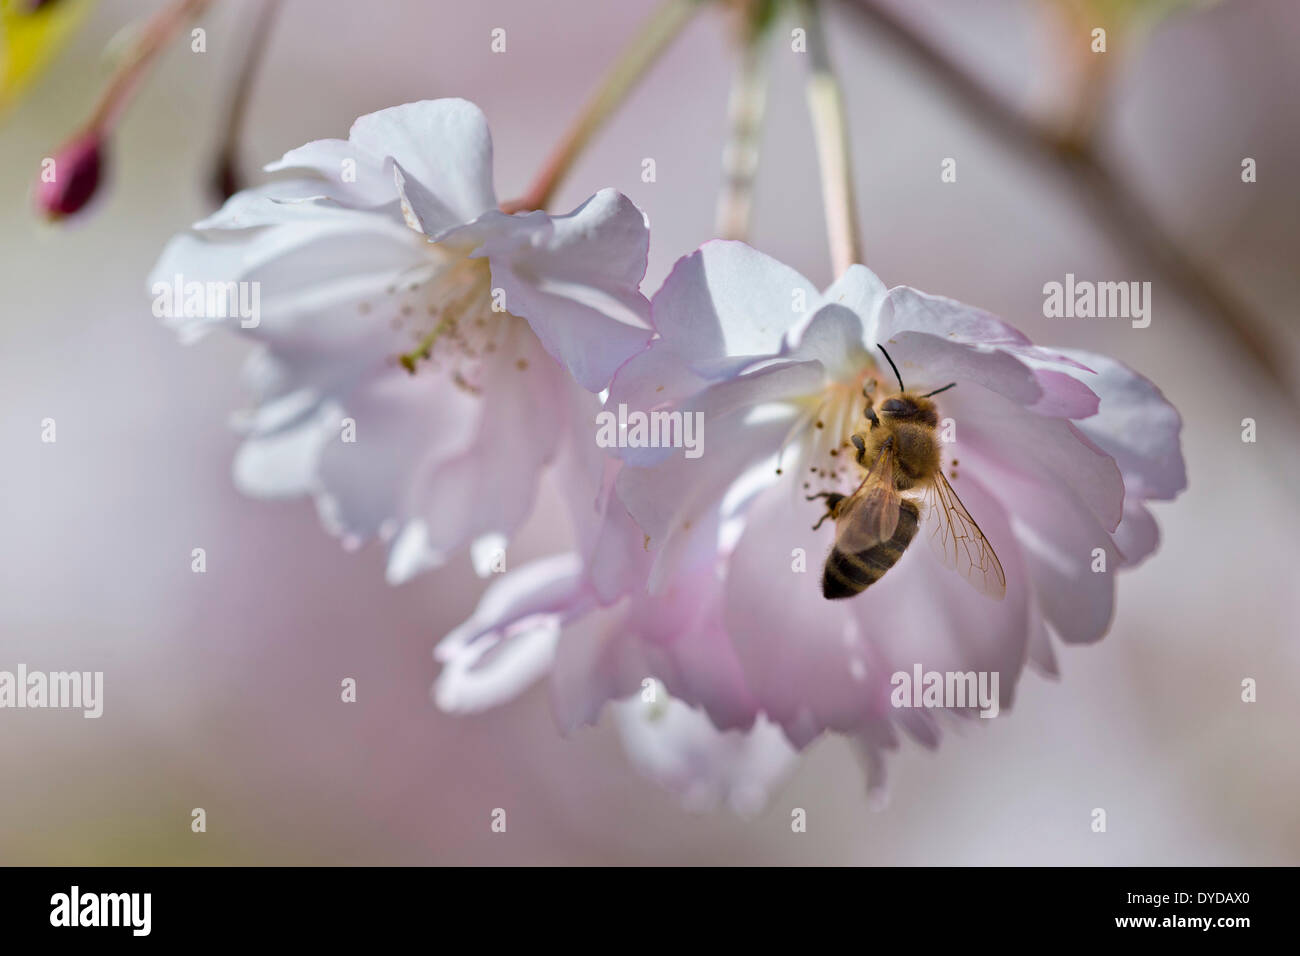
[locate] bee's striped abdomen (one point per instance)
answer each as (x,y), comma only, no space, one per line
(847,574)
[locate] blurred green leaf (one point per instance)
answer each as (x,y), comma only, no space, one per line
(30,36)
(1122,13)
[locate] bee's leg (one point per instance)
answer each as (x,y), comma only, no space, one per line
(833,499)
(861,446)
(869,412)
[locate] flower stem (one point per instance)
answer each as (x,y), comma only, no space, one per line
(153,38)
(664,24)
(744,124)
(826,105)
(226,181)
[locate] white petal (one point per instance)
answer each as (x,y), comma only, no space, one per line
(1135,425)
(1138,535)
(1059,536)
(509,640)
(595,662)
(404,426)
(348,173)
(678,748)
(491,672)
(816,664)
(443,146)
(1052,451)
(265,205)
(727,300)
(486,552)
(283,464)
(576,280)
(491,485)
(671,499)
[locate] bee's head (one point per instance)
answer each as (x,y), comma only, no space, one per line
(908,407)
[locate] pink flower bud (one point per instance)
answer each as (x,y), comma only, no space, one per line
(70,179)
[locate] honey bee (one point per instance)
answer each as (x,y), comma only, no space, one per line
(875,524)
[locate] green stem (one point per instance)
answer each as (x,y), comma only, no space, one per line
(664,24)
(226,180)
(154,37)
(830,129)
(744,125)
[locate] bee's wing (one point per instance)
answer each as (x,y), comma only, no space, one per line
(870,515)
(960,543)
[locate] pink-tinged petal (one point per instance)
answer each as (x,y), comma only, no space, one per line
(495,479)
(282,463)
(1136,426)
(729,406)
(678,748)
(927,362)
(1042,656)
(1051,451)
(700,668)
(804,657)
(576,280)
(981,348)
(922,612)
(683,635)
(671,499)
(611,544)
(659,377)
(491,672)
(871,744)
(403,426)
(907,310)
(1059,537)
(545,587)
(1064,396)
(727,301)
(1138,535)
(509,640)
(579,334)
(816,664)
(595,662)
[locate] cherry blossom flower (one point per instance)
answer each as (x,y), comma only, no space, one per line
(417,346)
(1059,452)
(586,621)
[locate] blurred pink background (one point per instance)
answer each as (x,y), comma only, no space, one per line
(222,689)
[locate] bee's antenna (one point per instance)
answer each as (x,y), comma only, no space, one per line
(894,367)
(938,390)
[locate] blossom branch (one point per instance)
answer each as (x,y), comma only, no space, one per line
(745,111)
(1116,206)
(826,104)
(663,26)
